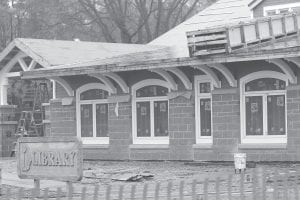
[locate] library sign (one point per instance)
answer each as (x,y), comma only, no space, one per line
(50,158)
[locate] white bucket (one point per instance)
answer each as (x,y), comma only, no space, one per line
(240,161)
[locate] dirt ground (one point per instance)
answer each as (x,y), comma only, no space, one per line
(103,173)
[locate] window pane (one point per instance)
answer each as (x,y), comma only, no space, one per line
(271,12)
(265,84)
(94,94)
(102,120)
(205,117)
(276,115)
(152,91)
(161,118)
(143,119)
(284,11)
(254,115)
(204,87)
(86,120)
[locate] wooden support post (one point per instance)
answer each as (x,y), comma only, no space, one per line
(69,190)
(37,187)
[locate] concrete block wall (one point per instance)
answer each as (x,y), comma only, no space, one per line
(119,128)
(225,126)
(181,128)
(63,118)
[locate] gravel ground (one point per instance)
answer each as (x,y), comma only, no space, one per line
(163,172)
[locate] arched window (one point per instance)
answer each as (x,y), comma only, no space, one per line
(263,107)
(150,112)
(92,113)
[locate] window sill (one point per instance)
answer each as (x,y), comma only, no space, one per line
(203,146)
(149,146)
(95,146)
(263,146)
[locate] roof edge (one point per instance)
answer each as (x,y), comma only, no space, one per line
(254,3)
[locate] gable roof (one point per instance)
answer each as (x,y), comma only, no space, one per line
(220,13)
(58,52)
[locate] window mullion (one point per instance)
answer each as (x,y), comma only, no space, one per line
(152,117)
(94,120)
(265,114)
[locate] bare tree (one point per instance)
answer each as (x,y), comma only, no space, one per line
(137,21)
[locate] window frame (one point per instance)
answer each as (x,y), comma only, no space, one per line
(84,88)
(276,8)
(265,138)
(152,139)
(197,80)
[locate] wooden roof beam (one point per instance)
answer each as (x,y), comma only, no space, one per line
(211,74)
(106,82)
(118,80)
(226,73)
(167,77)
(185,80)
(286,69)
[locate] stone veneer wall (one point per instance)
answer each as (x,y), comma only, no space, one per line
(8,126)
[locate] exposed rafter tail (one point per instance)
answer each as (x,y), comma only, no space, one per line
(118,79)
(286,69)
(211,74)
(185,80)
(64,84)
(226,73)
(105,81)
(167,77)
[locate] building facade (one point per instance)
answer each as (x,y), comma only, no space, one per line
(171,102)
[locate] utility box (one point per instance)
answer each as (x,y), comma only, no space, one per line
(240,162)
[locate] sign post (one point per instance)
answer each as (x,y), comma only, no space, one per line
(49,158)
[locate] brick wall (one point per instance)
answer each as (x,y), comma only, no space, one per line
(63,118)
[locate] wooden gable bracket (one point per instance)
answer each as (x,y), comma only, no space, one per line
(118,80)
(167,77)
(112,89)
(211,74)
(185,80)
(286,69)
(226,73)
(24,66)
(295,60)
(12,62)
(64,84)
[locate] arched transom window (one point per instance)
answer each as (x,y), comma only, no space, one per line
(92,114)
(150,112)
(263,108)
